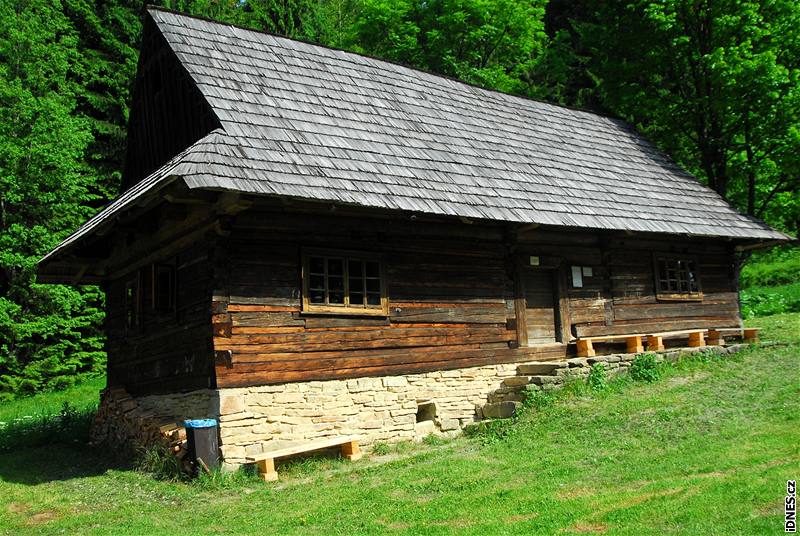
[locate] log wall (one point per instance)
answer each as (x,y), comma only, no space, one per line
(167,351)
(451,293)
(450,301)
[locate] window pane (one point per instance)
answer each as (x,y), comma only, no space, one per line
(373,269)
(356,284)
(317,282)
(356,269)
(373,299)
(356,299)
(335,266)
(373,285)
(335,283)
(316,296)
(316,265)
(336,298)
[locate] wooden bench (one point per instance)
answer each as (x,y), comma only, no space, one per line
(655,341)
(266,460)
(717,336)
(633,341)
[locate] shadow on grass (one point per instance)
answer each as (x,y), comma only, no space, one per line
(45,448)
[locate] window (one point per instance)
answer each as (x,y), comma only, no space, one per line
(350,283)
(163,288)
(579,273)
(132,304)
(677,278)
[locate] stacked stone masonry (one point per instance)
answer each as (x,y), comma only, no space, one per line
(383,409)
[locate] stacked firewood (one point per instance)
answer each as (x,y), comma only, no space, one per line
(122,424)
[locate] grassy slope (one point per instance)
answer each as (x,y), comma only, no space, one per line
(705,450)
(82,396)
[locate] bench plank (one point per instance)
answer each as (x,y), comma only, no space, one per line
(266,460)
(655,341)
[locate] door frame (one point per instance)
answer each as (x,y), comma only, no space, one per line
(557,268)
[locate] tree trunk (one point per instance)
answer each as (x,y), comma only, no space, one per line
(751,169)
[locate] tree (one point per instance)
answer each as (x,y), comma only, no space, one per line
(492,43)
(715,83)
(47,333)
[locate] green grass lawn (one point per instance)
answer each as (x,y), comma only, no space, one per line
(707,449)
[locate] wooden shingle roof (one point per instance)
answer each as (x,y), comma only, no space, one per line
(304,121)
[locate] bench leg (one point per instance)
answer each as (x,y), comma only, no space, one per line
(696,339)
(351,451)
(715,338)
(266,470)
(751,335)
(634,345)
(585,349)
(655,343)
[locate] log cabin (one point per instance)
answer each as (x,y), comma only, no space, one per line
(314,243)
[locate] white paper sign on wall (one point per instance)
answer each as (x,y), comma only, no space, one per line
(577,277)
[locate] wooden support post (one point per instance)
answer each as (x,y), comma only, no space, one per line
(266,470)
(351,451)
(655,343)
(634,345)
(751,335)
(520,304)
(585,348)
(715,338)
(696,339)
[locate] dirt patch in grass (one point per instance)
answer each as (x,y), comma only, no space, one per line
(521,518)
(458,523)
(633,501)
(575,493)
(588,528)
(43,517)
(17,508)
(686,380)
(398,525)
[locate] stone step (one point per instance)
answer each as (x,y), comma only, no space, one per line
(502,395)
(545,380)
(516,381)
(500,410)
(540,369)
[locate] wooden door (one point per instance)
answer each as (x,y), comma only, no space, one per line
(540,306)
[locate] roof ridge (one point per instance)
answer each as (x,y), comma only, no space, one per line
(602,114)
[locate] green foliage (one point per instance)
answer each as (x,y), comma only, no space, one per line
(765,301)
(644,368)
(433,440)
(538,399)
(221,480)
(715,84)
(596,380)
(777,266)
(48,334)
(492,43)
(160,463)
(381,448)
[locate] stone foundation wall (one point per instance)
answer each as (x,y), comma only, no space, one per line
(391,408)
(376,409)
